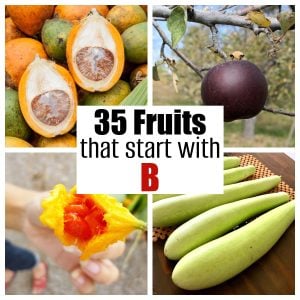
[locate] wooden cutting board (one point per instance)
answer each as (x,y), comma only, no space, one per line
(273,274)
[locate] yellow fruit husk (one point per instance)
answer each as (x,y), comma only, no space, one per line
(34,81)
(120,222)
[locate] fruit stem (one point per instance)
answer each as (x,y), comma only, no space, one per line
(141,225)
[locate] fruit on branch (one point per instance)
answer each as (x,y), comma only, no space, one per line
(239,86)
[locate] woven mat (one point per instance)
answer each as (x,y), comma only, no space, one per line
(261,171)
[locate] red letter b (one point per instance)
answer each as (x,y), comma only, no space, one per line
(149,178)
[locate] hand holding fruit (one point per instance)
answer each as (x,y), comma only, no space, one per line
(23,211)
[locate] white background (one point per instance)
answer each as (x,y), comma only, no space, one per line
(176,175)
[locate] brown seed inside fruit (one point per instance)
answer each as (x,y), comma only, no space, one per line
(51,107)
(95,63)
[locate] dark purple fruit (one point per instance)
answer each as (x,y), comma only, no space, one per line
(238,85)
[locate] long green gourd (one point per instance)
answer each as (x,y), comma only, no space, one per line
(231,162)
(158,197)
(218,221)
(176,210)
(230,176)
(219,260)
(238,174)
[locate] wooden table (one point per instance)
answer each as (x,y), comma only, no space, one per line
(273,274)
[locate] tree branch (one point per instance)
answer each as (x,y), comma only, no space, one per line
(178,53)
(244,11)
(225,7)
(212,18)
(279,111)
(162,50)
(159,19)
(216,45)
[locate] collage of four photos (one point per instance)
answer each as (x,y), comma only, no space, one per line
(62,58)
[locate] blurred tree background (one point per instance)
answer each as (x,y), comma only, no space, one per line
(267,129)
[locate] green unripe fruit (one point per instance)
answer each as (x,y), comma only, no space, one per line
(15,124)
(54,37)
(112,97)
(135,43)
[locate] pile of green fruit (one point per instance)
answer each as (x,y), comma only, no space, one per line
(208,250)
(60,56)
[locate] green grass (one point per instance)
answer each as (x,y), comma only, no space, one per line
(271,130)
(164,94)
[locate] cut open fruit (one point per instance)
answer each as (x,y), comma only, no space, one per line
(95,53)
(48,98)
(90,222)
(83,219)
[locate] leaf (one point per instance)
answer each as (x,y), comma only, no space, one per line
(135,198)
(155,73)
(286,20)
(141,211)
(258,18)
(138,96)
(177,24)
(139,207)
(175,81)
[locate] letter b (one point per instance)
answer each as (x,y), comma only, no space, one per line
(149,177)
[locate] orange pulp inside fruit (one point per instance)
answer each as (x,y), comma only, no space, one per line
(83,219)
